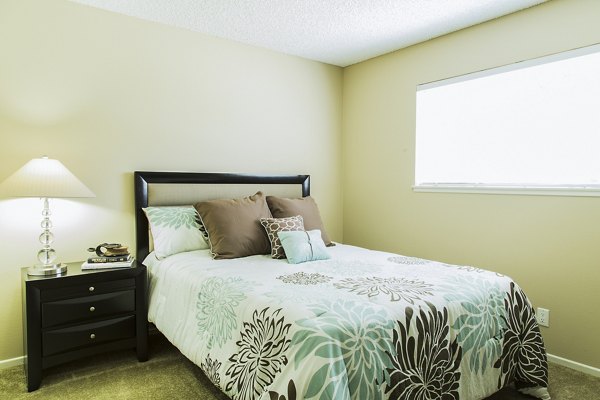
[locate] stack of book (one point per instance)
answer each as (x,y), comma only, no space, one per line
(112,258)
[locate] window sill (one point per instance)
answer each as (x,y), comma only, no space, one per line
(574,191)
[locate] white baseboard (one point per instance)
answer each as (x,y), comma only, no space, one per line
(12,362)
(574,365)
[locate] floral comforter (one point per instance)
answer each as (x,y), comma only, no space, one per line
(362,325)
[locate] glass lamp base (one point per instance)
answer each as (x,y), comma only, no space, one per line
(45,270)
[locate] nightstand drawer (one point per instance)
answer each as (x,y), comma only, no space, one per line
(61,340)
(87,289)
(85,308)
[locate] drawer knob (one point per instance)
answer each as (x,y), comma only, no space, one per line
(93,336)
(92,309)
(91,289)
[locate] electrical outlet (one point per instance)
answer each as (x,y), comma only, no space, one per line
(543,317)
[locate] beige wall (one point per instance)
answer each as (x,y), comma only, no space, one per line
(549,245)
(109,94)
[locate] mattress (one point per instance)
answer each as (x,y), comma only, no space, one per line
(362,325)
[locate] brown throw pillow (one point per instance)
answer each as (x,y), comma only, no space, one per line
(274,225)
(282,207)
(233,226)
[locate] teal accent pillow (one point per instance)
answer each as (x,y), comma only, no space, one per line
(302,246)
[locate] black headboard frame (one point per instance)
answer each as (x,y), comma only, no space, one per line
(142,179)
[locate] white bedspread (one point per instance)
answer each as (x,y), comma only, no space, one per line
(362,325)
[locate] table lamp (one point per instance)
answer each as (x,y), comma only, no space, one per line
(45,178)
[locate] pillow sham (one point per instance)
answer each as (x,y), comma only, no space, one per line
(282,207)
(303,246)
(175,229)
(233,226)
(274,225)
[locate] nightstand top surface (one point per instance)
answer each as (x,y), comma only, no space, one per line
(74,269)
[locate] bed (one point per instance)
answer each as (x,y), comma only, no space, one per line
(361,324)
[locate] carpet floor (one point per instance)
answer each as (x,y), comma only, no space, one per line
(169,375)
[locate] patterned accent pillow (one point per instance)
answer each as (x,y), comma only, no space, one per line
(174,230)
(204,232)
(274,225)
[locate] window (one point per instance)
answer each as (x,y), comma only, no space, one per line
(533,126)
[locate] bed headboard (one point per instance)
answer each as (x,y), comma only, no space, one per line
(183,188)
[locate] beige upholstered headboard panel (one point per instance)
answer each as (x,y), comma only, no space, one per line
(166,194)
(185,188)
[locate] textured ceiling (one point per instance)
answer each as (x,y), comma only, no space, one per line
(338,32)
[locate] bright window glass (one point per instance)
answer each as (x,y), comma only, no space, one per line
(531,124)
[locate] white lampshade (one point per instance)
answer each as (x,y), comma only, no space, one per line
(44,177)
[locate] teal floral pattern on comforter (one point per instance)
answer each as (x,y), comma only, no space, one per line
(362,325)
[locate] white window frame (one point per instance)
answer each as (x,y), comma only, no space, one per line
(513,189)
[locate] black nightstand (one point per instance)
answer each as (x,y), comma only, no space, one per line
(82,313)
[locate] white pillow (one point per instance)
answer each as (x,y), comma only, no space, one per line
(175,230)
